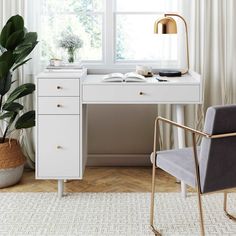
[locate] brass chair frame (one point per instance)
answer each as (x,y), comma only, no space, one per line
(199,193)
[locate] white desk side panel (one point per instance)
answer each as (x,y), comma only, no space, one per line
(59,144)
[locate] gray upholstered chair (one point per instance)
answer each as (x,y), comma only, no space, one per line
(210,167)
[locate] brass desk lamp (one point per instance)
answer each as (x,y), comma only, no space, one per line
(167,25)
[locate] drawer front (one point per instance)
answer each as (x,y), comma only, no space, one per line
(58,146)
(141,93)
(58,105)
(58,87)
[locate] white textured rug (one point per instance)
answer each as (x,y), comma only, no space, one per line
(110,214)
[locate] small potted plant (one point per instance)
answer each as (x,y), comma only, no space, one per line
(16,43)
(71,43)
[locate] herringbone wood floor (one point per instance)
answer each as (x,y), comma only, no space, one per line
(102,179)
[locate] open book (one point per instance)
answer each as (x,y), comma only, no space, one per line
(128,77)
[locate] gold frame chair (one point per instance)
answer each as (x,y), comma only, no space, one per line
(199,193)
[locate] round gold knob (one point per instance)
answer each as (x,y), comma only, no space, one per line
(58,105)
(59,147)
(140,93)
(59,87)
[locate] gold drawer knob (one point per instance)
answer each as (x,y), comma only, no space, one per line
(59,105)
(141,93)
(59,147)
(59,87)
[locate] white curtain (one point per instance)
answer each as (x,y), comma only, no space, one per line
(213,48)
(9,8)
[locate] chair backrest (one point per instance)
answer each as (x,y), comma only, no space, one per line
(217,157)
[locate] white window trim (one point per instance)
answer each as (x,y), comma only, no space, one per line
(108,62)
(109,44)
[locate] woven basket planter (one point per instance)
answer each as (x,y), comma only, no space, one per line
(12,163)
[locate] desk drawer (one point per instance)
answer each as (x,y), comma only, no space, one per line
(58,87)
(130,93)
(58,146)
(58,105)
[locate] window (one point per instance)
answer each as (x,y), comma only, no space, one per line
(135,40)
(114,32)
(83,18)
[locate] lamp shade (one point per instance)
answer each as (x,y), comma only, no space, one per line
(165,25)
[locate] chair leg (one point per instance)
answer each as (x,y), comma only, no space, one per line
(152,202)
(200,213)
(225,208)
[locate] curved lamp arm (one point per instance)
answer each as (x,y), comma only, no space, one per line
(186,31)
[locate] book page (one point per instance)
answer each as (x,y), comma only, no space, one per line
(113,77)
(134,77)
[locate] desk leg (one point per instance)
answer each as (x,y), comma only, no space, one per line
(60,189)
(181,138)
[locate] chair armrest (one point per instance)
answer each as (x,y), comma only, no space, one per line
(193,131)
(159,118)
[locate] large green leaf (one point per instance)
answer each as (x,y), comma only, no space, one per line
(3,70)
(14,106)
(22,47)
(6,115)
(27,120)
(21,91)
(21,64)
(20,57)
(6,32)
(17,22)
(7,61)
(30,37)
(5,84)
(14,40)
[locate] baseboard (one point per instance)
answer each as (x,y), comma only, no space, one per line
(118,160)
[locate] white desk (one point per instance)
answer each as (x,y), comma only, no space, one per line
(178,91)
(62,100)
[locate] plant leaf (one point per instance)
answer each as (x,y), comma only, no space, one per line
(20,57)
(17,22)
(21,91)
(25,121)
(6,115)
(22,63)
(5,84)
(14,40)
(14,106)
(3,70)
(6,32)
(8,61)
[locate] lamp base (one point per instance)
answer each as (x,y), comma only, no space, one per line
(170,73)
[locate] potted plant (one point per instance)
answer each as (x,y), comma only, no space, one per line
(16,43)
(71,43)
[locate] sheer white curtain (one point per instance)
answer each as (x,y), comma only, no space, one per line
(9,8)
(213,51)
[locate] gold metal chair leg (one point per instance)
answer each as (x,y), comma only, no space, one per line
(225,208)
(201,214)
(152,201)
(198,184)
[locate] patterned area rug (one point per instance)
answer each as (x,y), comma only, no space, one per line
(110,214)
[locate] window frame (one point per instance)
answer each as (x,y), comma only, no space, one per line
(108,60)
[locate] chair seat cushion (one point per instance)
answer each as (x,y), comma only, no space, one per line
(179,163)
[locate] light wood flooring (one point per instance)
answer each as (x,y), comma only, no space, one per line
(102,179)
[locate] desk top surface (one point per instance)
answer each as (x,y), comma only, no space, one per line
(62,74)
(190,78)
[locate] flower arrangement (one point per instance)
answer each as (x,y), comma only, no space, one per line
(71,43)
